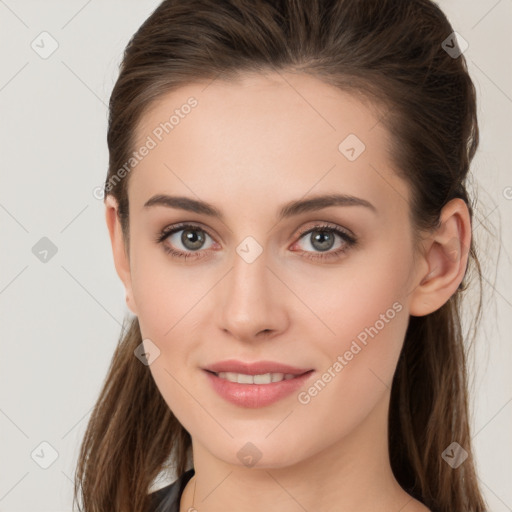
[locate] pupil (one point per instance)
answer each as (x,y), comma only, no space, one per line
(322,238)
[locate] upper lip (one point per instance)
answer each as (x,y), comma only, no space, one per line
(255,368)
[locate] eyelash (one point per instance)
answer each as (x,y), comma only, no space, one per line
(349,240)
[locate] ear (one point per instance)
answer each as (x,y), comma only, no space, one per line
(446,256)
(121,258)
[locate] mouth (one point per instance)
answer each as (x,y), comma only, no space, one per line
(261,378)
(257,384)
(256,368)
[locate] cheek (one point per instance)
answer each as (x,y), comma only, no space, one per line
(164,292)
(168,303)
(360,324)
(363,354)
(358,372)
(370,354)
(346,300)
(165,304)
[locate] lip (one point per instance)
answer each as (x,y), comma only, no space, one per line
(256,368)
(255,395)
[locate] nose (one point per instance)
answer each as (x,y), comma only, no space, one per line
(252,300)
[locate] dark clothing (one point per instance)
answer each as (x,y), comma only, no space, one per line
(167,499)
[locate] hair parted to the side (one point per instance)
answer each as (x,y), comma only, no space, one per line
(387,52)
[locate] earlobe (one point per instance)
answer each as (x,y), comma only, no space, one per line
(446,254)
(121,258)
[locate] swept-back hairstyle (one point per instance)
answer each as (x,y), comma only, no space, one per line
(388,52)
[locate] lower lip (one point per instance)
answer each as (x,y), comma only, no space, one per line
(256,395)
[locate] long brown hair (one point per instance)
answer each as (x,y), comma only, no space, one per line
(392,53)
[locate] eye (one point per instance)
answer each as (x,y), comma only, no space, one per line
(322,239)
(189,236)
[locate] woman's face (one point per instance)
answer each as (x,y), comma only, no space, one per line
(264,279)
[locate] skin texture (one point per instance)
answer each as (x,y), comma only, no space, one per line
(248,147)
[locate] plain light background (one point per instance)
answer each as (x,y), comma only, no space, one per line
(61,319)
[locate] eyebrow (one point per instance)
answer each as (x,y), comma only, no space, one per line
(290,209)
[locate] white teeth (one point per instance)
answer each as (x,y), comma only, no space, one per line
(267,378)
(244,379)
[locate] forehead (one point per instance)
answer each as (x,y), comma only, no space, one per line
(264,103)
(279,133)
